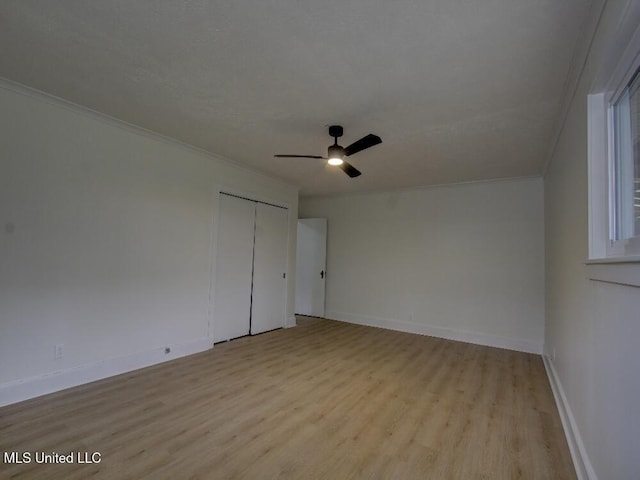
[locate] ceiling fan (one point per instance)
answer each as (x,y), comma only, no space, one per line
(336,153)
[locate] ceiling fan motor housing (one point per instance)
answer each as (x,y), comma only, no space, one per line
(336,151)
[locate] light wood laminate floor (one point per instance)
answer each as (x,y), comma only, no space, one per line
(325,400)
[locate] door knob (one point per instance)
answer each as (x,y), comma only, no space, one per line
(322,274)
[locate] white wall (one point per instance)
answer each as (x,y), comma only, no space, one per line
(592,327)
(461,261)
(105,243)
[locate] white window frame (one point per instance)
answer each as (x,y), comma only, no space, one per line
(601,161)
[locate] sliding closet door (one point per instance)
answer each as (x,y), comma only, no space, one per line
(234,263)
(269,267)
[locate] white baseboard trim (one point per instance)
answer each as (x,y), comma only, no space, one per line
(24,389)
(581,462)
(440,332)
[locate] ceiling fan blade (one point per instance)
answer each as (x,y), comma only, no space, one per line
(365,142)
(298,156)
(350,170)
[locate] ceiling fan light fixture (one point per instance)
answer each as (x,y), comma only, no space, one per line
(336,155)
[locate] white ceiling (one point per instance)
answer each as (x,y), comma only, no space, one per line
(459,90)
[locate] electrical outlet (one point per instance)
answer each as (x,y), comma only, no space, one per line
(58,351)
(554,355)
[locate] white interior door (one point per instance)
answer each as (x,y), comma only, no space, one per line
(234,264)
(269,268)
(311,259)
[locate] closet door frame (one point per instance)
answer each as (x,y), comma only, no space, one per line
(221,189)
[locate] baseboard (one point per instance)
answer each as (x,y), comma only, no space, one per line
(581,462)
(440,332)
(24,389)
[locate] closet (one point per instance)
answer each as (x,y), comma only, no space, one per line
(251,259)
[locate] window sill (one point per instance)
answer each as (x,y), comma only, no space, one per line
(617,270)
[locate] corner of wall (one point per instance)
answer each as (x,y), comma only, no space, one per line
(291,322)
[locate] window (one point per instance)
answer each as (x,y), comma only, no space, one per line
(614,156)
(625,182)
